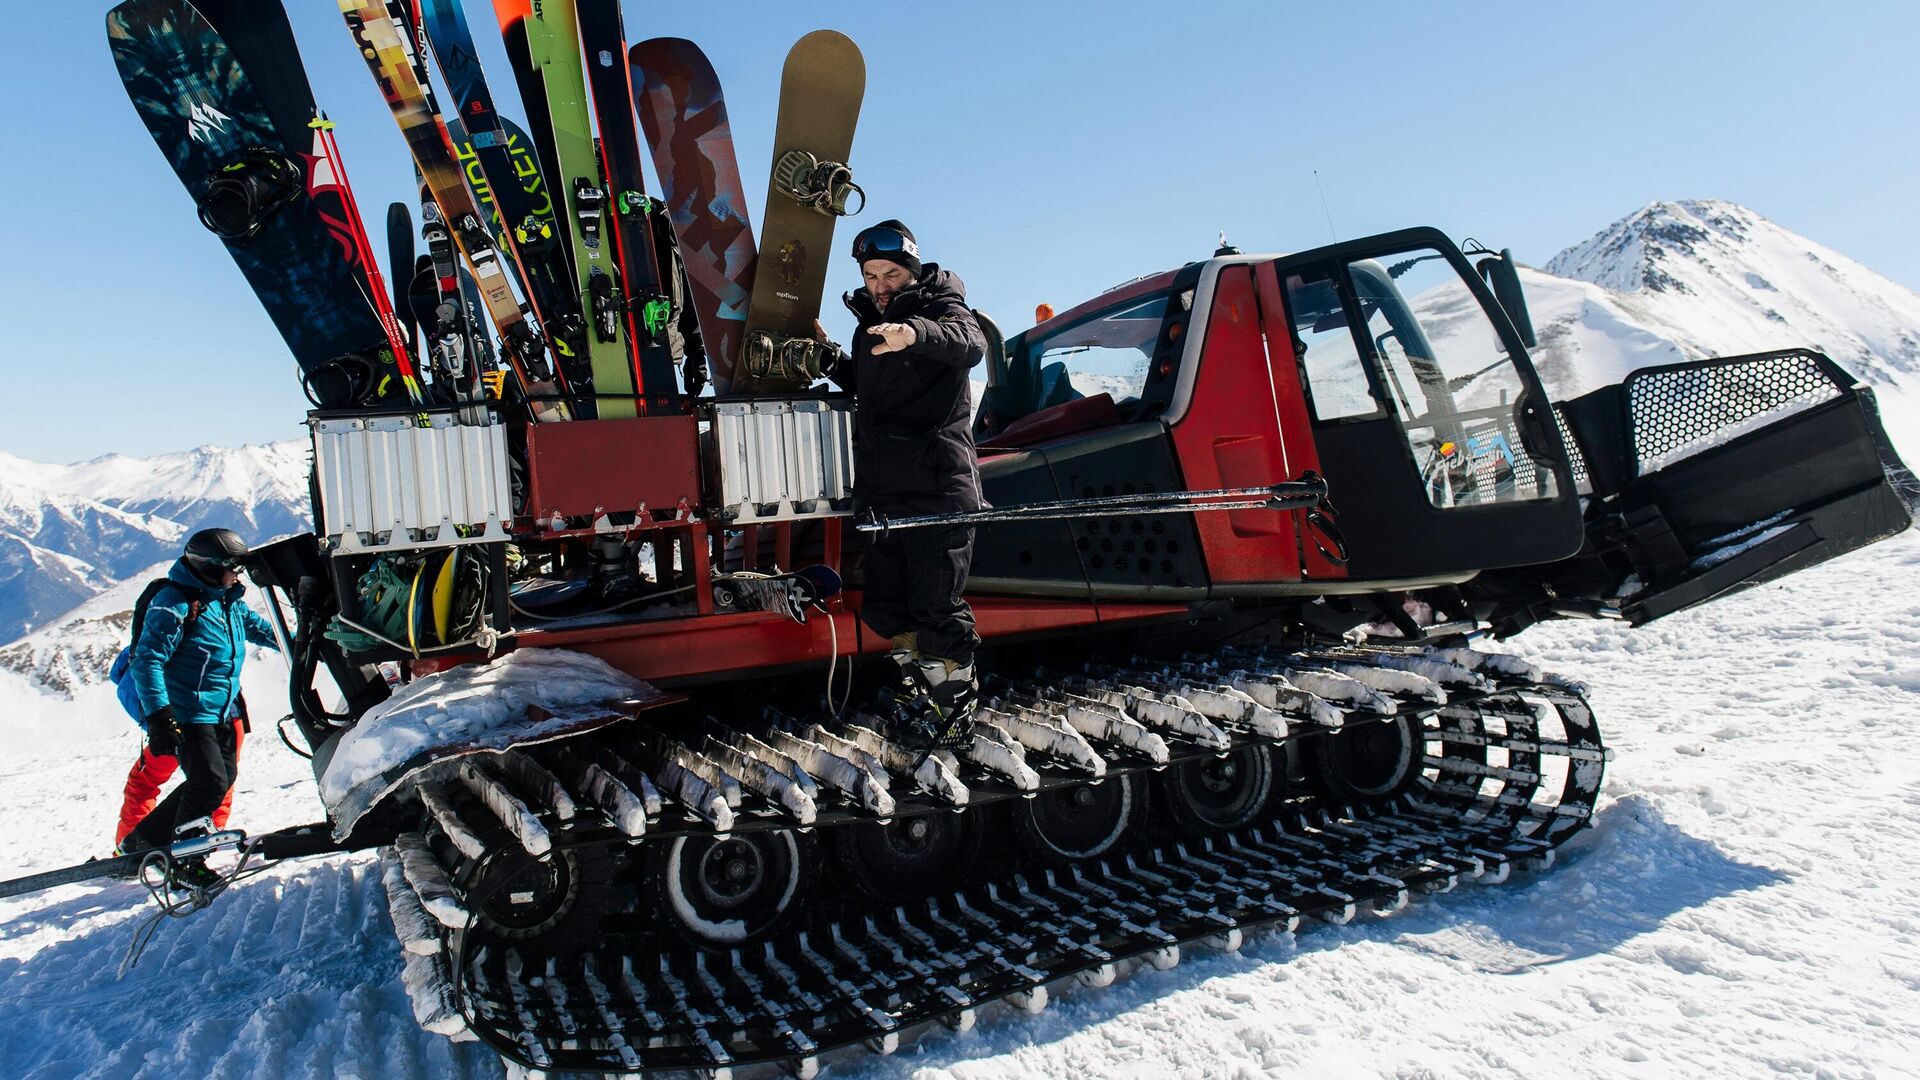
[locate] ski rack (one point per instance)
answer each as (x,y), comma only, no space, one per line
(782,459)
(407,481)
(852,975)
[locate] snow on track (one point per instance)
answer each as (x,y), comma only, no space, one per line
(1746,904)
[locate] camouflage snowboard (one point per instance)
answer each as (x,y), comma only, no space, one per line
(685,119)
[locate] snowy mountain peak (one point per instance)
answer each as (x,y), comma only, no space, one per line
(1717,279)
(68,531)
(1639,251)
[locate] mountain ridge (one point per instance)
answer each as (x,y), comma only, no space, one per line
(69,531)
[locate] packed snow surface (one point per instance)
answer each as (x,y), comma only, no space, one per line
(475,707)
(1744,905)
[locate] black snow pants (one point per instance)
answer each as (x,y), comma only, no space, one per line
(914,581)
(207,755)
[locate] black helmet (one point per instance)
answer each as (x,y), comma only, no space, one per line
(210,552)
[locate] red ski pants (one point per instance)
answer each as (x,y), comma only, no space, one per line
(151,772)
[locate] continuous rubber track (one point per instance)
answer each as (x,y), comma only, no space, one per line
(1394,771)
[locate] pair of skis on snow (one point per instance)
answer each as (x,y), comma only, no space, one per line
(566,225)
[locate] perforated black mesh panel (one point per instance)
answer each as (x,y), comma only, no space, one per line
(1575,459)
(1679,411)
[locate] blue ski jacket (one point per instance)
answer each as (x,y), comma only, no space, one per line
(195,669)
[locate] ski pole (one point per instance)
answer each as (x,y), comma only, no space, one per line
(1308,491)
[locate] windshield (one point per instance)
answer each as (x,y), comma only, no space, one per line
(1109,352)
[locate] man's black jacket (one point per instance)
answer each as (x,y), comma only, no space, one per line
(913,417)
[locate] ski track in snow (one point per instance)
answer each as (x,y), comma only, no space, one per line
(1745,905)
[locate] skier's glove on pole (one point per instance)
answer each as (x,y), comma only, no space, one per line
(163,733)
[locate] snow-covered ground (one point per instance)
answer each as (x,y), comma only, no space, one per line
(1746,904)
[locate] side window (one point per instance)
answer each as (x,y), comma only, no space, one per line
(1448,380)
(1323,344)
(1107,354)
(1415,384)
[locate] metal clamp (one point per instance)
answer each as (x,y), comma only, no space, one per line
(801,360)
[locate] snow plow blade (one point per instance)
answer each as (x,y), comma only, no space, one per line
(1714,476)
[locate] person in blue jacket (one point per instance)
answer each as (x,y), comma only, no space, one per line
(186,671)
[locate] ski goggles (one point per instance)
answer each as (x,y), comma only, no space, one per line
(218,562)
(878,241)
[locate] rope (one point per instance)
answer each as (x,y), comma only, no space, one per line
(156,873)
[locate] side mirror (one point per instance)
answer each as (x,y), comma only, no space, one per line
(1504,279)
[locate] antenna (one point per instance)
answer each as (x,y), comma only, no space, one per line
(1332,236)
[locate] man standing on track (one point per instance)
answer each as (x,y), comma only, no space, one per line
(914,454)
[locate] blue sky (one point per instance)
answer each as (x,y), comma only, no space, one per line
(1043,150)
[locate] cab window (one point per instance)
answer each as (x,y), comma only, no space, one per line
(1120,351)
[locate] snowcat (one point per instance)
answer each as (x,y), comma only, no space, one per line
(602,691)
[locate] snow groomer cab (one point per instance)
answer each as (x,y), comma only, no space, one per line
(1398,369)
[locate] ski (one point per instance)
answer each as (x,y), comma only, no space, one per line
(502,169)
(685,119)
(450,330)
(387,57)
(809,189)
(573,175)
(122,866)
(328,174)
(252,179)
(649,308)
(400,264)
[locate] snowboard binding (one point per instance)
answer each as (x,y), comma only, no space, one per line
(790,594)
(801,360)
(825,186)
(344,382)
(243,195)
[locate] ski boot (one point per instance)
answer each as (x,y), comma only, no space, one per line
(613,569)
(935,710)
(193,874)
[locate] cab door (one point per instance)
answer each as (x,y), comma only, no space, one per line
(1427,418)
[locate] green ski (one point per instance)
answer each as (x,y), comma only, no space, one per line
(553,40)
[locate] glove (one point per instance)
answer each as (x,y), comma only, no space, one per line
(163,732)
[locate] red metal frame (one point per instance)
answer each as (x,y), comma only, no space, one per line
(706,646)
(590,467)
(1152,283)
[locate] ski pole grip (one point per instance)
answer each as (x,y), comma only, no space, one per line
(1309,490)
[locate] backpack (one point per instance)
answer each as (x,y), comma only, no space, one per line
(124,689)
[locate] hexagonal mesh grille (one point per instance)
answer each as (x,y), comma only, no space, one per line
(1680,411)
(1575,458)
